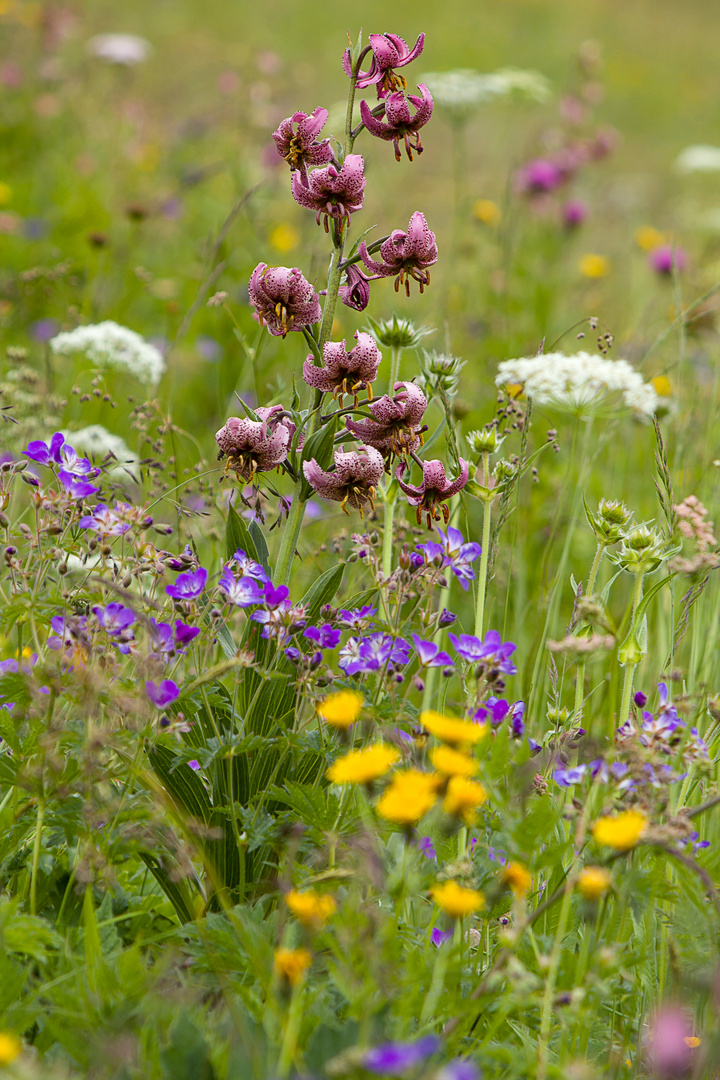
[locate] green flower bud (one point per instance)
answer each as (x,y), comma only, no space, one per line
(485,441)
(398,333)
(440,373)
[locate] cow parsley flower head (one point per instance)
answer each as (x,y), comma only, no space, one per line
(463,90)
(109,345)
(700,158)
(580,382)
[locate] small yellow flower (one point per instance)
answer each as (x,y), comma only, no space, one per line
(594,882)
(594,266)
(648,238)
(662,386)
(620,831)
(692,1041)
(284,237)
(463,797)
(514,390)
(453,762)
(408,797)
(6,193)
(10,1047)
(341,709)
(457,900)
(310,908)
(449,730)
(518,878)
(486,211)
(291,964)
(363,766)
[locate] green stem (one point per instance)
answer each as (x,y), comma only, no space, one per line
(36,857)
(580,676)
(394,368)
(631,665)
(546,1014)
(387,551)
(291,1032)
(291,532)
(482,574)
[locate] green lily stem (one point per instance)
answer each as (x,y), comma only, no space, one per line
(387,552)
(630,666)
(394,368)
(482,574)
(580,676)
(36,857)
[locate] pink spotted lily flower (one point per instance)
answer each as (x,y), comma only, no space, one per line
(399,122)
(355,293)
(336,193)
(395,427)
(388,52)
(345,372)
(283,299)
(434,490)
(254,446)
(354,479)
(405,254)
(296,141)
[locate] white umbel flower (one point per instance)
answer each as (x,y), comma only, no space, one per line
(699,158)
(126,49)
(107,344)
(579,382)
(97,442)
(463,89)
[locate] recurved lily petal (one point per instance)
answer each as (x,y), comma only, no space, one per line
(435,489)
(395,427)
(283,299)
(253,446)
(334,192)
(345,372)
(399,123)
(408,254)
(354,479)
(389,51)
(296,141)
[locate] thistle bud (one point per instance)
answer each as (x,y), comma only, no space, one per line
(440,373)
(609,522)
(485,441)
(398,333)
(614,512)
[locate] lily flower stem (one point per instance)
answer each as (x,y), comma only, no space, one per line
(629,667)
(580,676)
(485,553)
(390,504)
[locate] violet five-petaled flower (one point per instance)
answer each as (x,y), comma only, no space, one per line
(491,651)
(345,372)
(75,486)
(399,123)
(188,586)
(283,299)
(243,591)
(354,479)
(434,490)
(46,453)
(254,446)
(296,141)
(163,694)
(430,654)
(373,653)
(395,427)
(389,51)
(105,521)
(355,293)
(332,192)
(438,937)
(405,255)
(396,1058)
(324,636)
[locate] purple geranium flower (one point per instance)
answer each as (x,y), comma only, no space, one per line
(397,1058)
(323,636)
(458,555)
(188,586)
(243,592)
(491,651)
(105,521)
(565,778)
(429,654)
(46,454)
(425,845)
(249,568)
(75,486)
(373,653)
(439,937)
(461,1069)
(357,618)
(114,618)
(164,694)
(184,634)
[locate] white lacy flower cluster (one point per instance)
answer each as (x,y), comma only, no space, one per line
(107,344)
(699,158)
(465,89)
(579,381)
(97,442)
(125,49)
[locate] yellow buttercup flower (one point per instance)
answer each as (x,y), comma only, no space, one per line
(486,211)
(463,797)
(662,386)
(408,798)
(449,730)
(310,908)
(648,238)
(594,882)
(594,266)
(620,831)
(453,762)
(692,1041)
(291,964)
(517,877)
(10,1048)
(284,237)
(363,766)
(341,709)
(457,900)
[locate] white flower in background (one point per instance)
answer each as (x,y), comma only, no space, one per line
(699,159)
(97,442)
(579,381)
(107,344)
(463,90)
(127,49)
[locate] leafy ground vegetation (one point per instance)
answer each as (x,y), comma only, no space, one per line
(376,736)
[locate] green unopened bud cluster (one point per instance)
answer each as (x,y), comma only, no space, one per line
(641,551)
(440,373)
(486,440)
(398,333)
(610,521)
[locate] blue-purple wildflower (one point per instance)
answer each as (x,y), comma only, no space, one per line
(163,694)
(243,591)
(325,637)
(188,586)
(430,655)
(438,937)
(396,1058)
(491,651)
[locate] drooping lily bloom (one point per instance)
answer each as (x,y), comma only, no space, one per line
(354,479)
(254,446)
(336,193)
(399,123)
(283,299)
(389,51)
(296,141)
(405,254)
(345,372)
(434,491)
(395,426)
(355,293)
